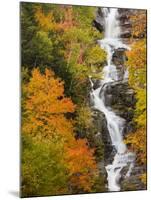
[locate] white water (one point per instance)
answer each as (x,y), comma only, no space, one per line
(115,123)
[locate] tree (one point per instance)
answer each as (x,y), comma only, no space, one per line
(60,37)
(139,25)
(137,79)
(36,43)
(46,121)
(43,170)
(81,165)
(46,105)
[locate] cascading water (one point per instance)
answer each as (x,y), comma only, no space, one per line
(115,124)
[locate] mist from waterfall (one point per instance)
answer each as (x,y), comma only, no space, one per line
(115,124)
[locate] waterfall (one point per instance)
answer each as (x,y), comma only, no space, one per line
(115,124)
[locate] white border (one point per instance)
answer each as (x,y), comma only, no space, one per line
(9,99)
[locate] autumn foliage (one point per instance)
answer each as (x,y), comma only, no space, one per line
(58,53)
(47,21)
(44,118)
(137,61)
(81,165)
(139,24)
(57,39)
(46,105)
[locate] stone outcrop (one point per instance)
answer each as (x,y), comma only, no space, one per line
(121,98)
(133,182)
(102,133)
(119,57)
(98,22)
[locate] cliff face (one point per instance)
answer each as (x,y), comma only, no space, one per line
(119,96)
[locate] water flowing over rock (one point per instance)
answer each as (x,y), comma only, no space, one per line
(112,97)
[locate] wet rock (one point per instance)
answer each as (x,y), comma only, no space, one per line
(98,24)
(133,182)
(129,128)
(118,57)
(124,14)
(121,99)
(126,34)
(121,93)
(126,24)
(97,84)
(102,133)
(124,19)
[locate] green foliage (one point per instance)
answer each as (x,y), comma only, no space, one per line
(77,35)
(43,170)
(141,107)
(137,79)
(45,122)
(28,31)
(61,39)
(84,15)
(137,62)
(99,185)
(95,56)
(42,46)
(84,117)
(24,75)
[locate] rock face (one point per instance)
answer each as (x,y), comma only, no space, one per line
(98,22)
(125,23)
(102,132)
(124,18)
(120,98)
(119,57)
(134,182)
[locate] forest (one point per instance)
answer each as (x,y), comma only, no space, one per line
(60,153)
